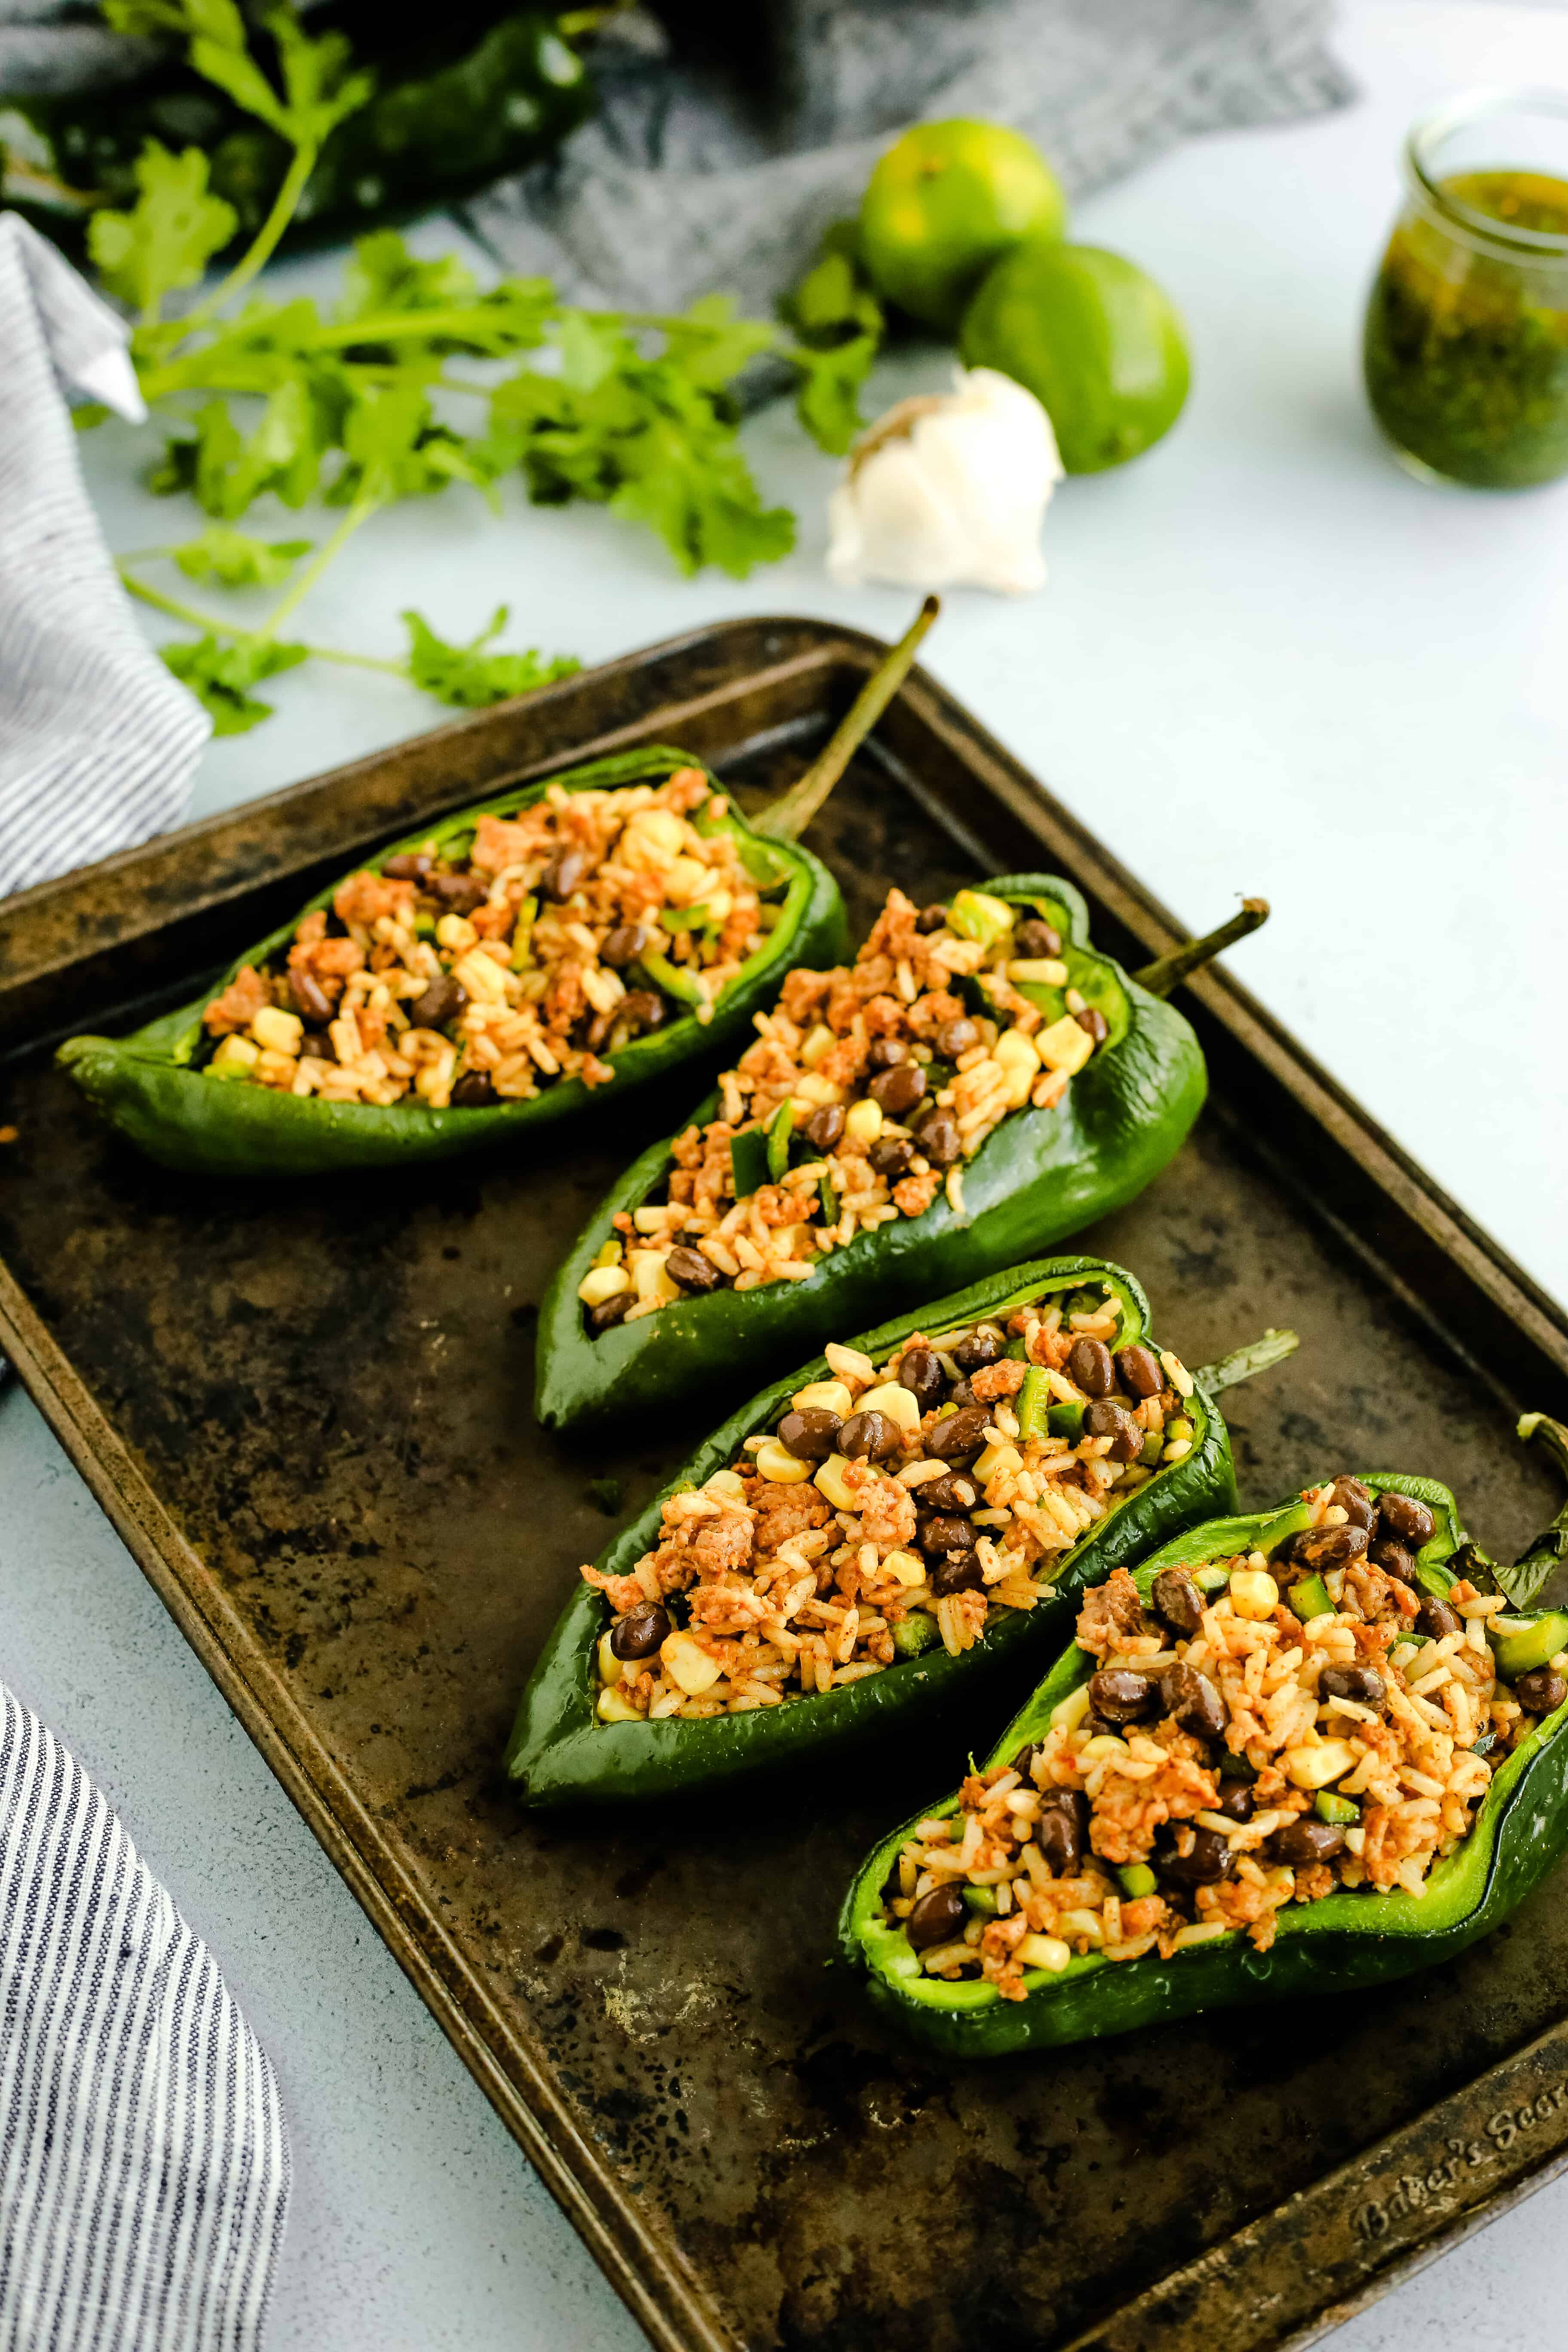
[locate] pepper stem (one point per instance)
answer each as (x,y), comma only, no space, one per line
(789,816)
(1244,1362)
(1524,1580)
(1169,972)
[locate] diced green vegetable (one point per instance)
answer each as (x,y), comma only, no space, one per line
(1310,1598)
(1033,1405)
(523,935)
(1519,1644)
(779,1135)
(748,1161)
(1337,1810)
(974,915)
(1154,1446)
(915,1633)
(1136,1880)
(827,1199)
(981,1899)
(676,980)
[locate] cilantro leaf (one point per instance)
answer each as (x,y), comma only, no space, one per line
(221,674)
(318,92)
(839,325)
(166,240)
(236,560)
(467,676)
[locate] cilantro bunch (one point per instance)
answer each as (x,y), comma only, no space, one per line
(363,406)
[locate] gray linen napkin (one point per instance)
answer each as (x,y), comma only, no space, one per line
(143,2162)
(717,161)
(97,741)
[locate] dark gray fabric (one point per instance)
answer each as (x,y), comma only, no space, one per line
(687,180)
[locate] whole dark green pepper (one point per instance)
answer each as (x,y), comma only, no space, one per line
(561,1752)
(148,1084)
(1350,1939)
(1038,1176)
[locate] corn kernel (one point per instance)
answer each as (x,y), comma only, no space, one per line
(1070,1711)
(688,1664)
(686,879)
(613,1708)
(995,1458)
(602,1281)
(609,1664)
(830,1481)
(652,1278)
(863,1123)
(777,1463)
(1064,1045)
(814,1092)
(1044,1952)
(725,1486)
(282,1031)
(906,1566)
(235,1058)
(1254,1593)
(817,1043)
(1317,1765)
(1041,971)
(824,1396)
(655,829)
(900,1403)
(481,976)
(454,931)
(1013,1047)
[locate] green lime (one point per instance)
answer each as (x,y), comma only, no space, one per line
(1095,340)
(943,203)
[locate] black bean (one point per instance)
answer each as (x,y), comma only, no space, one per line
(413,866)
(1062,1834)
(1121,1695)
(898,1089)
(1355,1501)
(921,1374)
(610,1312)
(458,893)
(825,1128)
(960,1436)
(1541,1692)
(957,1036)
(1362,1683)
(1023,1762)
(1209,1861)
(946,1531)
(955,1572)
(1436,1619)
(1090,1367)
(564,874)
(1236,1802)
(624,944)
(1305,1840)
(441,1003)
(311,997)
(892,1156)
(1393,1559)
(886,1053)
(1325,1548)
(638,1010)
(810,1433)
(930,919)
(639,1632)
(980,1347)
(474,1091)
(939,1139)
(691,1269)
(1034,939)
(1194,1701)
(319,1046)
(1178,1601)
(937,1918)
(961,1396)
(952,1492)
(869,1437)
(1402,1517)
(1093,1022)
(1104,1418)
(1139,1371)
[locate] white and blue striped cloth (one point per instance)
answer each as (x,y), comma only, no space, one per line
(98,742)
(143,2163)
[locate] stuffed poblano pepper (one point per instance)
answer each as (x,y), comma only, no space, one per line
(1300,1752)
(567,941)
(910,1509)
(979,1083)
(499,969)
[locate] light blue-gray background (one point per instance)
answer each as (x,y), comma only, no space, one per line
(1265,661)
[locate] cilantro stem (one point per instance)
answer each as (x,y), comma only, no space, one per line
(211,626)
(361,511)
(284,207)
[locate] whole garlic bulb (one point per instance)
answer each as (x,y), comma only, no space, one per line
(948,491)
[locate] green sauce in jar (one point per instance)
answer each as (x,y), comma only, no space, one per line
(1467,331)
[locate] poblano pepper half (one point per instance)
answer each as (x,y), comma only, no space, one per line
(1040,1175)
(1351,1937)
(574,1742)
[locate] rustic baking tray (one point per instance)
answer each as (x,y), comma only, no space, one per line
(307,1412)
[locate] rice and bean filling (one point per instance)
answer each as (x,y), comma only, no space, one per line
(867,1089)
(891,1510)
(1268,1731)
(484,971)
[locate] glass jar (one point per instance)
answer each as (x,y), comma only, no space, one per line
(1466,350)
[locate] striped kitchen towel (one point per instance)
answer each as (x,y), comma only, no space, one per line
(98,742)
(144,2164)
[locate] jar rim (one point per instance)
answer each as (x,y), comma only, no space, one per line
(1481,229)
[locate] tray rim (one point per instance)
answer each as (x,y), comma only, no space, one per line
(657,2285)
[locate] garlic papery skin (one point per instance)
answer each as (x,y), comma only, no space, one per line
(949,490)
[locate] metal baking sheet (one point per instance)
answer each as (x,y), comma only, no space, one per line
(306,1408)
